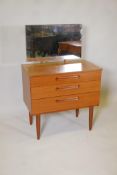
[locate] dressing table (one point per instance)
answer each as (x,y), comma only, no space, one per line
(67,83)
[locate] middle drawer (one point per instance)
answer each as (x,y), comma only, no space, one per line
(64,89)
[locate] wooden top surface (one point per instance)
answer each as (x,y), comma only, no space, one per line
(37,69)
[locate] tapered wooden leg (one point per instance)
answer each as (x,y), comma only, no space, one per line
(38,126)
(77,112)
(30,119)
(90,117)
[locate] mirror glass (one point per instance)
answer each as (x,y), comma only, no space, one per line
(53,40)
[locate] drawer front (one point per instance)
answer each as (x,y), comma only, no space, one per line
(63,46)
(65,89)
(74,49)
(65,103)
(65,78)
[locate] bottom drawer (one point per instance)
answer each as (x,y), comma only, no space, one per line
(65,102)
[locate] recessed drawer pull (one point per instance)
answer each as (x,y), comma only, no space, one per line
(68,87)
(68,77)
(68,99)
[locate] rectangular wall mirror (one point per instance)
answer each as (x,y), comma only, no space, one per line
(53,40)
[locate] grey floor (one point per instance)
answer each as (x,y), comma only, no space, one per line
(66,146)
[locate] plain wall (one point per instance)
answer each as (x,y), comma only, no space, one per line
(99,19)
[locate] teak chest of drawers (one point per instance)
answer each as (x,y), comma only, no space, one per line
(52,88)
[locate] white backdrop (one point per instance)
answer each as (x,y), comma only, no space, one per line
(99,18)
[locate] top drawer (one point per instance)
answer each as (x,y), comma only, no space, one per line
(74,49)
(63,46)
(65,78)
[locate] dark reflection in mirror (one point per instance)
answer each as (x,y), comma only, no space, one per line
(53,40)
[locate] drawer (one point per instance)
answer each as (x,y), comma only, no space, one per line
(65,89)
(65,103)
(74,49)
(65,78)
(63,46)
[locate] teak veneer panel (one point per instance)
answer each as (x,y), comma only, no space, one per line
(64,89)
(65,103)
(64,78)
